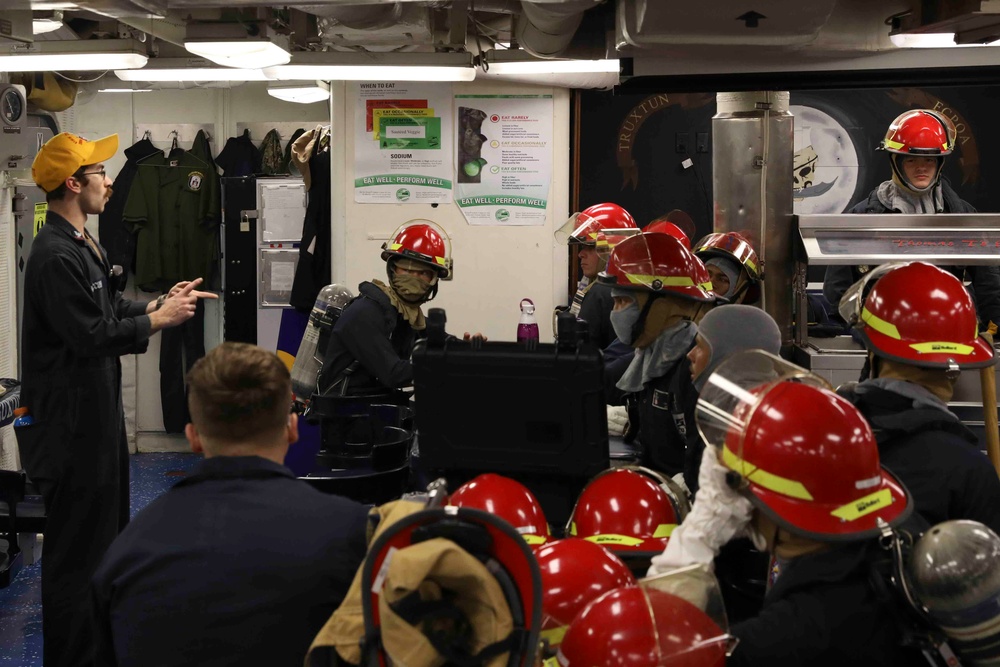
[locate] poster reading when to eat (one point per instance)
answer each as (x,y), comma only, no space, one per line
(503,158)
(402,143)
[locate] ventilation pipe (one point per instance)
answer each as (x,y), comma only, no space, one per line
(545,29)
(752,154)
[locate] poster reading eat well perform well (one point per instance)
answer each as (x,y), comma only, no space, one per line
(503,160)
(403,143)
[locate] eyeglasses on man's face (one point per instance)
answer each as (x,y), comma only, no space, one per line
(102,173)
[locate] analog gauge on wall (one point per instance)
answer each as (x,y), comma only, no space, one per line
(11,105)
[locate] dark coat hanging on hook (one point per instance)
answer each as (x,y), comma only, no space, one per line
(313,270)
(240,157)
(174,205)
(117,239)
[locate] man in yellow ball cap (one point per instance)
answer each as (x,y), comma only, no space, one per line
(76,326)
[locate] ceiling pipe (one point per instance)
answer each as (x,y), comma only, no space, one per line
(545,29)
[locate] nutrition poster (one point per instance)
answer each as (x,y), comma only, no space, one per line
(503,163)
(403,143)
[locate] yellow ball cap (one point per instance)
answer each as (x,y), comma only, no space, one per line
(64,153)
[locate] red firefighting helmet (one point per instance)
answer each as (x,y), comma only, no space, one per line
(638,627)
(918,314)
(660,264)
(574,572)
(628,510)
(920,132)
(508,499)
(588,226)
(807,459)
(422,241)
(669,228)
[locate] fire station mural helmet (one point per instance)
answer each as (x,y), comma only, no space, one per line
(733,246)
(955,570)
(919,133)
(508,499)
(640,626)
(588,226)
(917,314)
(629,510)
(803,455)
(659,264)
(670,229)
(421,241)
(574,572)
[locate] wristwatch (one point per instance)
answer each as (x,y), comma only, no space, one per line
(159,301)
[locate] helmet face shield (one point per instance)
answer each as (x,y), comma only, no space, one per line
(584,227)
(853,302)
(699,586)
(733,391)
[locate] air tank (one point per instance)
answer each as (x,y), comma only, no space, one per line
(752,155)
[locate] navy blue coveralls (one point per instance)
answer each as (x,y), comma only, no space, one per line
(76,326)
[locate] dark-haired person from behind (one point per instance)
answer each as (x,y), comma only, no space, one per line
(239,563)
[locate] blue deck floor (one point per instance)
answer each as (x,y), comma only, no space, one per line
(21,602)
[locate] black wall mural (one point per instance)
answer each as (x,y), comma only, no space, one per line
(633,148)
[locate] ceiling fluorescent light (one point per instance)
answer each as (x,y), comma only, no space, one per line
(303,93)
(518,62)
(124,90)
(188,69)
(247,46)
(376,67)
(74,56)
(930,40)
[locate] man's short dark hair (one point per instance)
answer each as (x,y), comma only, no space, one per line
(239,393)
(60,193)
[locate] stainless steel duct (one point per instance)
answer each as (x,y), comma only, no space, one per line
(752,153)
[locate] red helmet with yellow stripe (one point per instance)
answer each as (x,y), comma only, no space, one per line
(588,227)
(920,132)
(508,499)
(422,241)
(659,264)
(920,315)
(806,458)
(574,572)
(628,510)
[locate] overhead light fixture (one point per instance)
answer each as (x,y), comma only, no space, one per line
(926,40)
(509,61)
(76,56)
(43,22)
(188,69)
(331,66)
(301,92)
(241,45)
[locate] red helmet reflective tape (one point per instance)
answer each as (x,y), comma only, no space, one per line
(422,241)
(586,227)
(641,626)
(574,572)
(658,263)
(922,315)
(508,499)
(920,132)
(626,511)
(810,462)
(669,228)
